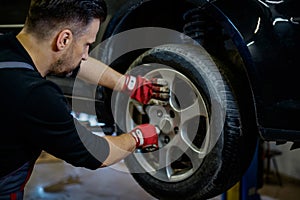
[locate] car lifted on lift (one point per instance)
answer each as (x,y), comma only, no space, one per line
(235,83)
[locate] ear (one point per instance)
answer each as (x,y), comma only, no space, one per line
(64,39)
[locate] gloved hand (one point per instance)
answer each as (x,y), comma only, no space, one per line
(153,91)
(146,137)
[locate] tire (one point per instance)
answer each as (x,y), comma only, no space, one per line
(205,146)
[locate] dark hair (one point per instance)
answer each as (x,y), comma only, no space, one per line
(44,16)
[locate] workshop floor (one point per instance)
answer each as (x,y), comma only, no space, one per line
(289,190)
(57,180)
(54,179)
(61,181)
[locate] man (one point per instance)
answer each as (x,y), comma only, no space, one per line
(34,115)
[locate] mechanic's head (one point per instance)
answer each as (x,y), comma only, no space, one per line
(63,30)
(47,16)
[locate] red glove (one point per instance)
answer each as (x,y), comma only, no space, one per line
(146,137)
(153,91)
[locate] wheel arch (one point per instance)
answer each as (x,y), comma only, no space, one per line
(138,15)
(243,71)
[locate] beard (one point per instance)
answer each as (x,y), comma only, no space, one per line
(64,65)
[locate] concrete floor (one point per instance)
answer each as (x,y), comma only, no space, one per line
(54,179)
(289,190)
(60,181)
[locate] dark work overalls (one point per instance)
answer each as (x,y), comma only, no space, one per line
(12,185)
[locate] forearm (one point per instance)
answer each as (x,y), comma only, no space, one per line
(120,147)
(96,72)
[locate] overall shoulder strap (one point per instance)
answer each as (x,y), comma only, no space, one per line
(12,185)
(14,65)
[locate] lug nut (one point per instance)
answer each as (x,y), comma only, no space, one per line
(166,139)
(176,129)
(159,113)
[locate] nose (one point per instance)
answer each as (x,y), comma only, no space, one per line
(85,54)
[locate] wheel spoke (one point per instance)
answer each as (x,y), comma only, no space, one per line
(194,154)
(185,144)
(195,157)
(192,111)
(169,76)
(165,162)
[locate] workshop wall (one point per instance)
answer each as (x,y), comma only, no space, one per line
(289,161)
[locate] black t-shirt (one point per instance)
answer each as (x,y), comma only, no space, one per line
(34,116)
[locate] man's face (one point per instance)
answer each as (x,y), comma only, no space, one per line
(77,52)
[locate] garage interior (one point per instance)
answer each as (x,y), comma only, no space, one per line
(54,179)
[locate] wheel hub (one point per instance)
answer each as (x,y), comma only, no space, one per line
(165,126)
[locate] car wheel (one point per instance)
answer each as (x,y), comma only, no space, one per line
(203,147)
